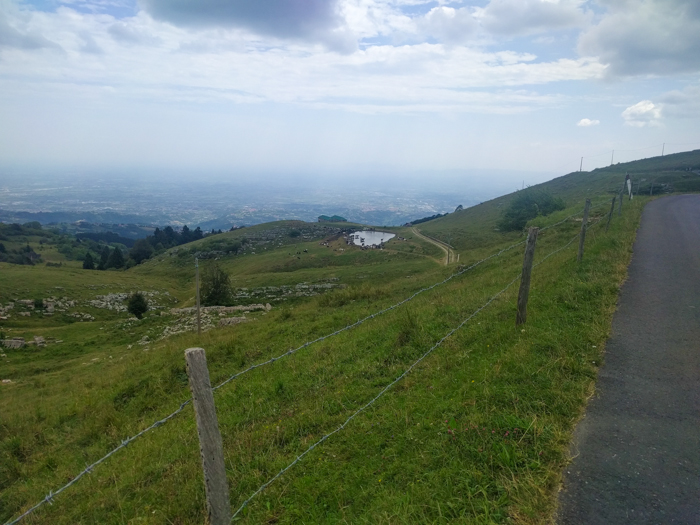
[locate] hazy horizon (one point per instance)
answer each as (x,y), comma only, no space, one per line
(336,86)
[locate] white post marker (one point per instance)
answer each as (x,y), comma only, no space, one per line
(628,181)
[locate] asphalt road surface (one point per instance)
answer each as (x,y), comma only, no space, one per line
(639,444)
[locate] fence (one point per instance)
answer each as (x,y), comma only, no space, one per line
(52,494)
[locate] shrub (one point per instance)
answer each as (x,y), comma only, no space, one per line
(216,286)
(527,205)
(137,305)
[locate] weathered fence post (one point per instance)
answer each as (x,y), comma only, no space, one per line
(619,210)
(524,292)
(199,318)
(584,224)
(210,445)
(612,209)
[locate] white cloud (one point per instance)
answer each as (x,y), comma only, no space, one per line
(526,17)
(308,20)
(448,24)
(658,37)
(644,113)
(585,122)
(143,58)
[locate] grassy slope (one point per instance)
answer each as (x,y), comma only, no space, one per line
(394,463)
(475,227)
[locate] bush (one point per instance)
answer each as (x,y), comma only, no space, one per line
(216,286)
(137,305)
(527,205)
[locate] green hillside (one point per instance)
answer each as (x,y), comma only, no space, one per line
(474,227)
(477,432)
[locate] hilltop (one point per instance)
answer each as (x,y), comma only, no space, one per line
(475,226)
(477,432)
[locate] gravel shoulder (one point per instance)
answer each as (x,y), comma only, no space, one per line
(637,450)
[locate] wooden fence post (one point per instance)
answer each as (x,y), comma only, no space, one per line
(199,317)
(619,210)
(612,209)
(584,224)
(210,445)
(524,292)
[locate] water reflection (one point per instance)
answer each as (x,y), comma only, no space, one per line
(369,238)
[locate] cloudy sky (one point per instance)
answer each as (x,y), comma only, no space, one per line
(341,85)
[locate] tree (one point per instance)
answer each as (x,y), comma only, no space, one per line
(216,286)
(104,257)
(185,235)
(116,259)
(137,305)
(141,251)
(88,262)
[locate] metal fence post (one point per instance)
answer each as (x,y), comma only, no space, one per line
(210,445)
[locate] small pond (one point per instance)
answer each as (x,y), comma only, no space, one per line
(370,238)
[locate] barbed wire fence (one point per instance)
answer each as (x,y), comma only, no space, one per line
(88,469)
(400,377)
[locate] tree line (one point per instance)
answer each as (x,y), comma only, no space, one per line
(143,249)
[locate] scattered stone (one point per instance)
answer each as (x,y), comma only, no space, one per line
(230,321)
(39,341)
(25,314)
(6,381)
(15,343)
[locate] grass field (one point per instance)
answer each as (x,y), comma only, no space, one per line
(478,432)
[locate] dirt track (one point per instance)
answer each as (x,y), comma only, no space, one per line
(639,444)
(443,246)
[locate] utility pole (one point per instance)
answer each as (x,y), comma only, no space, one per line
(580,168)
(612,158)
(663,148)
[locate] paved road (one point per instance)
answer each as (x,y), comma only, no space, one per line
(639,444)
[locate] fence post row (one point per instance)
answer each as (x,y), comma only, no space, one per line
(612,209)
(584,223)
(210,445)
(524,292)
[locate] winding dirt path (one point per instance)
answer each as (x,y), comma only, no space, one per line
(449,252)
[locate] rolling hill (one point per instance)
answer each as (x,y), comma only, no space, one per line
(477,431)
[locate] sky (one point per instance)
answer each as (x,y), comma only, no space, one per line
(346,86)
